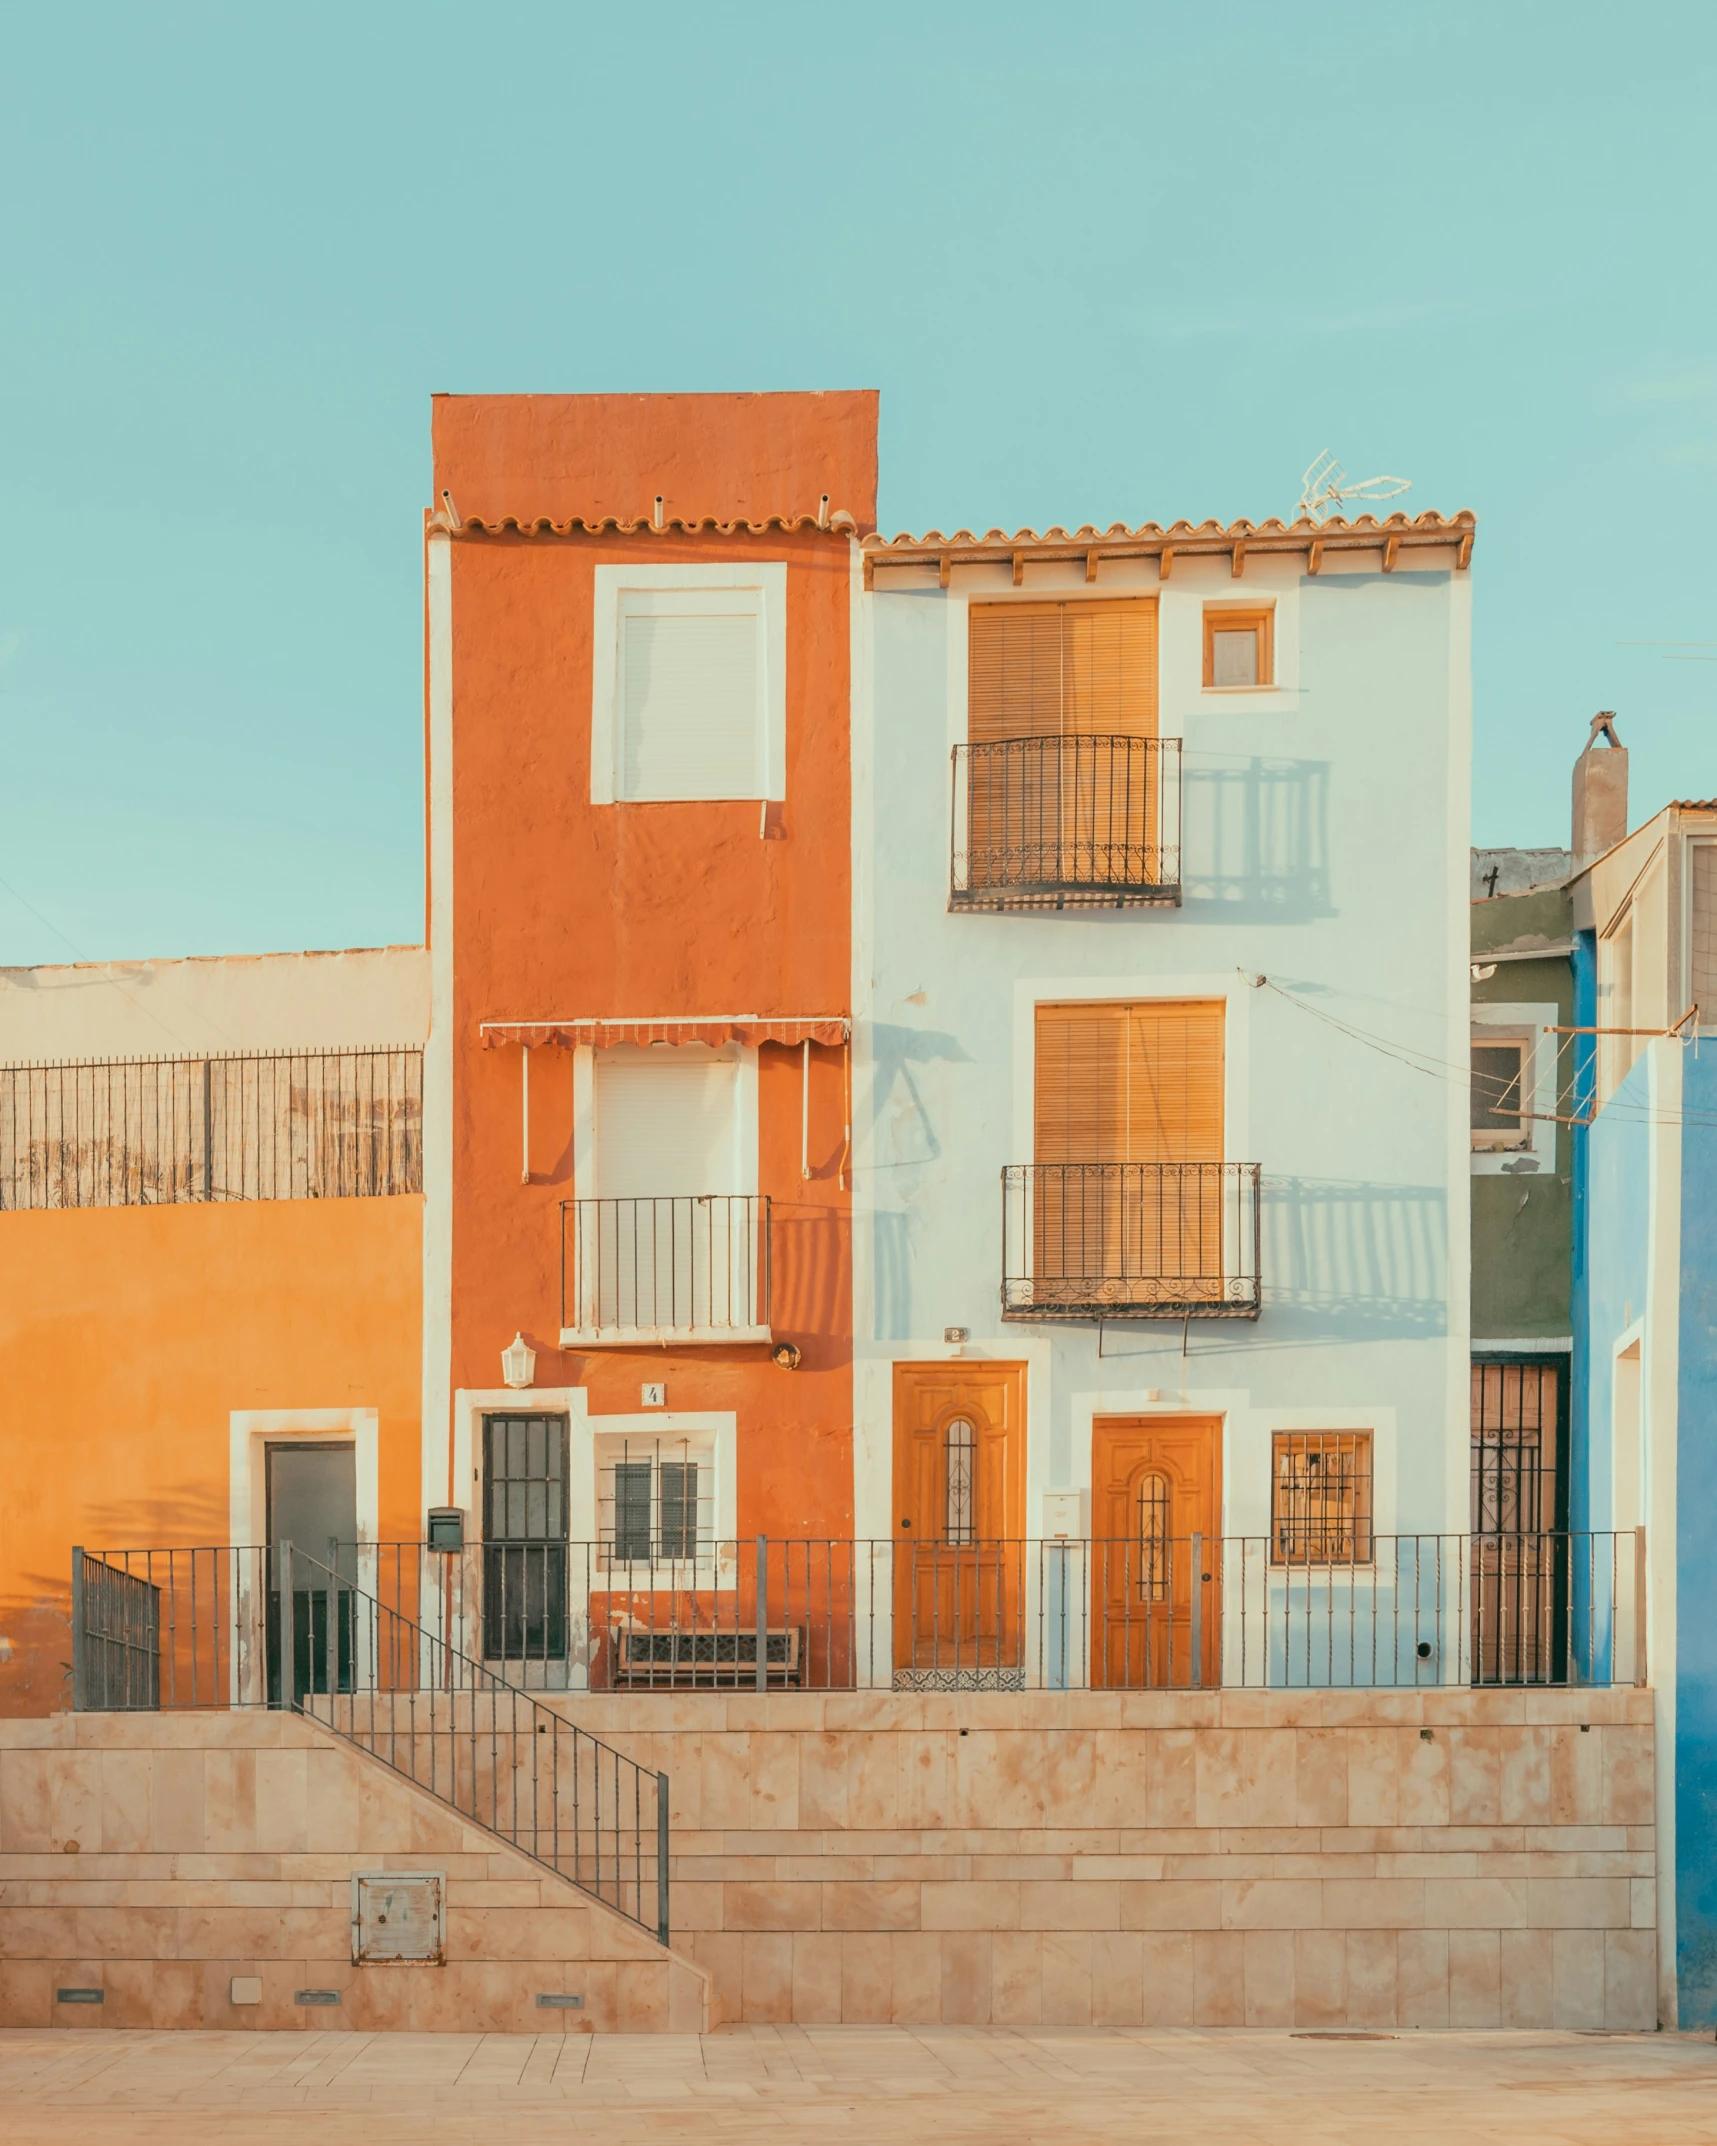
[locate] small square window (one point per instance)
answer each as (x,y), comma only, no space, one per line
(1498,1094)
(1320,1498)
(1239,648)
(657,1502)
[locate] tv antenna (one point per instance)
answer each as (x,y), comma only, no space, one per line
(1326,488)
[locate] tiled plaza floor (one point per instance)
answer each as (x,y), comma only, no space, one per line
(897,2085)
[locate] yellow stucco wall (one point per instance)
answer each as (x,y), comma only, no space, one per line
(129,1335)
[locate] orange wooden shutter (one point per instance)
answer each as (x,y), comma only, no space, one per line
(1110,666)
(1014,682)
(1062,670)
(1131,1083)
(1080,1093)
(1174,1063)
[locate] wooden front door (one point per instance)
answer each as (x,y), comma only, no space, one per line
(1156,1481)
(959,1549)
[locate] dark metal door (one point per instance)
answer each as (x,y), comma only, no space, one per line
(1520,1563)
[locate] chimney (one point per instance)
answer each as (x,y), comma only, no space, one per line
(1600,792)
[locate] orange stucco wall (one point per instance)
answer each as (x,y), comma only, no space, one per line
(724,457)
(564,908)
(128,1336)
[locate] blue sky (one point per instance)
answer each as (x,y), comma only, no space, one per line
(1105,262)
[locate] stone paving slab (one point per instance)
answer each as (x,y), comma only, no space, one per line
(1019,2087)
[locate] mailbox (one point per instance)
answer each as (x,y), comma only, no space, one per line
(446,1527)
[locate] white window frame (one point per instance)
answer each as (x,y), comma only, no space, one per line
(706,1440)
(586,1185)
(767,581)
(1531,1026)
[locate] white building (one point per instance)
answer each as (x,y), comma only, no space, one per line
(1065,1018)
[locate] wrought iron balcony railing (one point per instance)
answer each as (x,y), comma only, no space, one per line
(1156,1609)
(1130,1240)
(1065,823)
(682,1268)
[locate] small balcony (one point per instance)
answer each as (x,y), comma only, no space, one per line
(1066,823)
(690,1268)
(1130,1240)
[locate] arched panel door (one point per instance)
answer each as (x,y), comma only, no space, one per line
(1156,1483)
(959,1552)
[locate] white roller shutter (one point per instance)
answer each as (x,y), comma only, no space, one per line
(691,703)
(665,1124)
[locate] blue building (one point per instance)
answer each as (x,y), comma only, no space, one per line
(1640,1077)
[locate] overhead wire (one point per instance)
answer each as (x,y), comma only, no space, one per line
(1427,1062)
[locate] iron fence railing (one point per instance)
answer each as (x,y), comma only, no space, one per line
(687,1267)
(1066,822)
(290,1125)
(226,1627)
(904,1614)
(1131,1240)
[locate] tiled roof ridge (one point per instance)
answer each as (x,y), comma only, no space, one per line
(1119,532)
(839,523)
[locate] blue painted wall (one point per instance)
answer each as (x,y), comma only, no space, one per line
(1696,1565)
(1582,1093)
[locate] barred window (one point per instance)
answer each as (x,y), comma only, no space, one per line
(525,1519)
(1320,1501)
(959,1445)
(657,1501)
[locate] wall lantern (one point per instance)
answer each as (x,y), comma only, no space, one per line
(518,1362)
(786,1354)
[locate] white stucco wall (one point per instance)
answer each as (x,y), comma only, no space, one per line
(237,1002)
(1325,846)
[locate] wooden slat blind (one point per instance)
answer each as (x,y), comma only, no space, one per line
(1047,670)
(1130,1083)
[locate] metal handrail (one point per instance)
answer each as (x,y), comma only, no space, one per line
(387,1684)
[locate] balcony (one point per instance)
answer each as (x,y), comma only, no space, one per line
(693,1268)
(1066,823)
(1130,1240)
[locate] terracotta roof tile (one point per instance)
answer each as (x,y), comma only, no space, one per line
(1421,528)
(839,523)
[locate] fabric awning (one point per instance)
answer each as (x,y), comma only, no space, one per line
(714,1028)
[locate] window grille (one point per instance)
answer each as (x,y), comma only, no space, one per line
(658,1503)
(1522,1569)
(960,1451)
(1155,1513)
(1515,1416)
(525,1521)
(1321,1498)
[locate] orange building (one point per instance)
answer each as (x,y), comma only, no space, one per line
(639,629)
(617,1110)
(211,1233)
